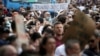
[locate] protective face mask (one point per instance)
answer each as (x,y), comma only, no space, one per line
(32,13)
(71,12)
(70,19)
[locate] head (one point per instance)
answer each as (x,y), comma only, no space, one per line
(27,16)
(28,53)
(8,50)
(62,19)
(35,39)
(94,41)
(12,40)
(47,29)
(46,14)
(72,47)
(4,32)
(58,28)
(47,45)
(41,20)
(47,32)
(37,24)
(61,1)
(1,5)
(13,26)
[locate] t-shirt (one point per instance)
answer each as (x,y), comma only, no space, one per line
(60,51)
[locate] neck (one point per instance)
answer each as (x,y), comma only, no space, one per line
(50,54)
(58,34)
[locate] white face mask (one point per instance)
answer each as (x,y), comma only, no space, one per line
(71,12)
(70,19)
(32,13)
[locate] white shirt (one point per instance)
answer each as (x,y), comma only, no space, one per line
(60,51)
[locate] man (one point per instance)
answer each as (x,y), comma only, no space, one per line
(72,48)
(94,46)
(58,30)
(60,1)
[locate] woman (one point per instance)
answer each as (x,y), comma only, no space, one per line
(47,46)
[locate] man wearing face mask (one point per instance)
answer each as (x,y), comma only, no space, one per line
(47,17)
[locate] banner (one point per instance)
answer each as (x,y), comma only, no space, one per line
(54,7)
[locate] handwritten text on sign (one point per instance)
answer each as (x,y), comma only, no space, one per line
(54,7)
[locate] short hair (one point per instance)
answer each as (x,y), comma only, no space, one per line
(62,18)
(35,36)
(69,43)
(28,53)
(49,31)
(2,20)
(13,26)
(57,23)
(1,3)
(11,39)
(41,20)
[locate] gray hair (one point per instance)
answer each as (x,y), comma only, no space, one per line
(69,43)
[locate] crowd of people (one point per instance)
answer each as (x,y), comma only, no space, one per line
(71,32)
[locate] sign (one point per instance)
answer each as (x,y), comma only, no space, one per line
(29,1)
(55,7)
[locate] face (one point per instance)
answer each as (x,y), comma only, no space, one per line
(93,42)
(50,45)
(47,15)
(75,50)
(58,29)
(37,25)
(60,1)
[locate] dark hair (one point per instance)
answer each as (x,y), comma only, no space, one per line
(69,43)
(28,53)
(1,3)
(11,39)
(14,11)
(25,14)
(57,23)
(41,20)
(42,51)
(49,32)
(35,36)
(42,15)
(45,27)
(1,20)
(61,18)
(13,26)
(3,30)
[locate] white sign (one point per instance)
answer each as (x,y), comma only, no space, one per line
(55,7)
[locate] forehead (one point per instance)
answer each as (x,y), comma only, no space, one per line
(51,40)
(47,13)
(76,45)
(57,25)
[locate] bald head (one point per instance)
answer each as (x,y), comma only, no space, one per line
(8,50)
